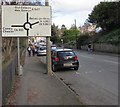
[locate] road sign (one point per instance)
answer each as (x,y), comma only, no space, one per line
(24,21)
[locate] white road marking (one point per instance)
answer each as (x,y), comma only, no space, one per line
(77,73)
(110,61)
(86,56)
(114,62)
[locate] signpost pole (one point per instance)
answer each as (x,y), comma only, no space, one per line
(49,71)
(48,56)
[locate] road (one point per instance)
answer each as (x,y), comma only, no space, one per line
(96,81)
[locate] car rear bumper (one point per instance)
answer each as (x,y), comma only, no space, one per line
(67,65)
(40,54)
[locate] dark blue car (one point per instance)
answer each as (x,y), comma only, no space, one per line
(64,58)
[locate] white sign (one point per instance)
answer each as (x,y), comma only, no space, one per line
(24,21)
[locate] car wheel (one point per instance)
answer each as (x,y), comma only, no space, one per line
(54,69)
(76,68)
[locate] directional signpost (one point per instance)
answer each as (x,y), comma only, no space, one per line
(27,21)
(24,21)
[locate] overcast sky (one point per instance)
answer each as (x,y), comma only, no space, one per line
(66,11)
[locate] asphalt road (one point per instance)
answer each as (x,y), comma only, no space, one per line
(96,81)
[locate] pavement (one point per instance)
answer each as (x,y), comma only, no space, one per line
(38,88)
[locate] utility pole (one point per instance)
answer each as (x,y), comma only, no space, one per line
(48,59)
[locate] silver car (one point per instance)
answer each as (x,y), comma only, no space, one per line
(53,47)
(41,51)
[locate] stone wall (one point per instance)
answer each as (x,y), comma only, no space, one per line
(104,48)
(97,47)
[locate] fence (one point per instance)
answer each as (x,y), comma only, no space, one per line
(9,71)
(8,76)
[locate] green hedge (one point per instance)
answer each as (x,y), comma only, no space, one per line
(111,38)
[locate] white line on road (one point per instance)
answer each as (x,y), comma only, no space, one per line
(86,56)
(110,61)
(77,73)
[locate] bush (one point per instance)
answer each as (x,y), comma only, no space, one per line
(110,38)
(82,40)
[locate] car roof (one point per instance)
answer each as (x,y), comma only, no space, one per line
(63,49)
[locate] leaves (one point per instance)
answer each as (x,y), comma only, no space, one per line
(55,33)
(70,35)
(105,15)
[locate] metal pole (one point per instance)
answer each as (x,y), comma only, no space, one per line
(48,59)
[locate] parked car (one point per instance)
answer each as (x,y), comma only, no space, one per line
(41,51)
(53,47)
(64,58)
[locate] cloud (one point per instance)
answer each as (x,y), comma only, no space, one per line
(69,6)
(66,11)
(68,19)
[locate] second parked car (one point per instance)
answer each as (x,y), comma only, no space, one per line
(64,58)
(41,51)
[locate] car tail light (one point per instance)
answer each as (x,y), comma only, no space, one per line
(56,59)
(75,58)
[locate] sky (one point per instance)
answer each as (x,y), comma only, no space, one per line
(67,11)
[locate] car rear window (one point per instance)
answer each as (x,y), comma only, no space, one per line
(66,53)
(42,48)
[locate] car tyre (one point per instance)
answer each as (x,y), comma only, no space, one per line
(75,68)
(54,69)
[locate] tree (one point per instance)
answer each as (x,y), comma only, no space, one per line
(70,35)
(105,15)
(54,33)
(82,40)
